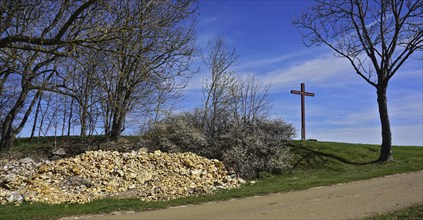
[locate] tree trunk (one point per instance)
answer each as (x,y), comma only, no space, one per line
(34,125)
(386,147)
(83,120)
(83,116)
(64,115)
(7,141)
(70,117)
(119,111)
(107,120)
(9,133)
(116,127)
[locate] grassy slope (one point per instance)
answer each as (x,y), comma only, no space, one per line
(317,164)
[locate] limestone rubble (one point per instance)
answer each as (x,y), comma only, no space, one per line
(99,174)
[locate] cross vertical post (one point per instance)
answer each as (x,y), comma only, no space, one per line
(303,93)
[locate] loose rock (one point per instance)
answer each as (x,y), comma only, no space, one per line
(15,197)
(99,174)
(59,152)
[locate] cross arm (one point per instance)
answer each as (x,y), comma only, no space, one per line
(302,93)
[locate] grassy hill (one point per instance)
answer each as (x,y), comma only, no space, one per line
(315,164)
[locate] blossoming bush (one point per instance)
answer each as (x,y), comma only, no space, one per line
(248,149)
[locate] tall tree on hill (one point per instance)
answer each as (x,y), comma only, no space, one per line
(148,59)
(34,35)
(146,36)
(376,37)
(219,90)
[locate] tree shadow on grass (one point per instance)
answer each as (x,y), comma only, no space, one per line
(311,156)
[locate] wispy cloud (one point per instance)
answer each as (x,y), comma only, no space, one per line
(208,20)
(364,127)
(354,119)
(406,135)
(363,134)
(401,135)
(406,108)
(325,70)
(345,107)
(257,63)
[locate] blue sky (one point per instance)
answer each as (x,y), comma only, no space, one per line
(344,108)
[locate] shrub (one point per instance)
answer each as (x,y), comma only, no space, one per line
(261,148)
(175,134)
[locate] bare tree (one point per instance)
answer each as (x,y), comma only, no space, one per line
(219,90)
(34,35)
(252,101)
(80,81)
(158,52)
(54,27)
(376,37)
(145,39)
(33,67)
(158,105)
(40,122)
(229,98)
(6,99)
(35,120)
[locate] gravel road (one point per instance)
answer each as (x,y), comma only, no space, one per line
(343,201)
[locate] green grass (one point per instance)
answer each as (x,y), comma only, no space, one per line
(413,212)
(41,147)
(316,164)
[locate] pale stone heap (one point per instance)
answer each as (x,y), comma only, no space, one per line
(99,174)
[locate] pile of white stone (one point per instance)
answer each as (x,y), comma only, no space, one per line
(99,174)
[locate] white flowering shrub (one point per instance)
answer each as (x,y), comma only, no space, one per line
(175,134)
(261,146)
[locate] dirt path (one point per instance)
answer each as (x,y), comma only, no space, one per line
(343,201)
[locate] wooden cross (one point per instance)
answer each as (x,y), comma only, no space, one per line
(303,93)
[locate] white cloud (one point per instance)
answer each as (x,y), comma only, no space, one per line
(368,135)
(407,105)
(364,127)
(196,82)
(208,20)
(269,61)
(401,135)
(345,108)
(322,71)
(408,135)
(356,118)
